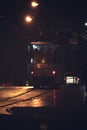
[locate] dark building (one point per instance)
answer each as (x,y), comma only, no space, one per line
(49,24)
(62,32)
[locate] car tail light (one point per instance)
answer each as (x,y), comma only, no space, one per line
(53,72)
(32,72)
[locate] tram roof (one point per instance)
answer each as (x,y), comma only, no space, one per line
(40,42)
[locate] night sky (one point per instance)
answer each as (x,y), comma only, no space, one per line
(12,14)
(12,30)
(13,10)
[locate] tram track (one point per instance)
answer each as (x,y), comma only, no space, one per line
(23,100)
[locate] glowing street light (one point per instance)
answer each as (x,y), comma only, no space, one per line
(34,4)
(85,23)
(28,19)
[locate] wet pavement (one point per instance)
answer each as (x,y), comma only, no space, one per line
(43,109)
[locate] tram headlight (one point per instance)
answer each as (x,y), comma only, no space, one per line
(43,60)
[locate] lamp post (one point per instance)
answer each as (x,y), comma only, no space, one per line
(86,24)
(28,19)
(34,4)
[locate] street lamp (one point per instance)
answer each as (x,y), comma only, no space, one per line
(85,23)
(34,4)
(28,19)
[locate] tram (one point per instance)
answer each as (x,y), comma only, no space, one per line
(45,65)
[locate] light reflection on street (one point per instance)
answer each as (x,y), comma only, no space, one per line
(26,97)
(12,91)
(37,102)
(21,97)
(54,96)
